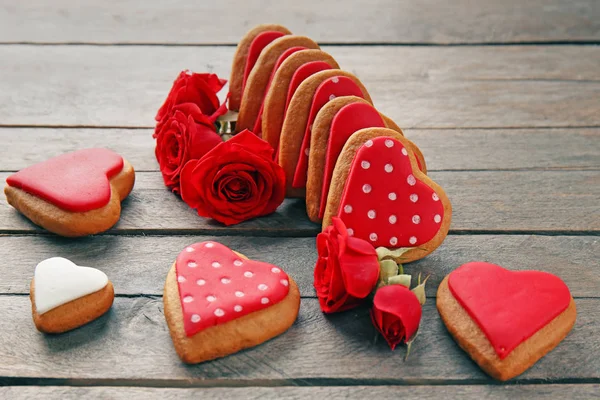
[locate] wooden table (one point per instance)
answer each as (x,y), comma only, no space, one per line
(502,97)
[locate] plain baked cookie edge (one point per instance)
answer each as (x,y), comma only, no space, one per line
(473,341)
(230,337)
(74,224)
(75,313)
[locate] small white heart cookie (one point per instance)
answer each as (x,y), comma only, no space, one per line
(65,296)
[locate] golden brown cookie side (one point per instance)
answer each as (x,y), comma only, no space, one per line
(74,224)
(296,118)
(472,340)
(240,56)
(340,176)
(230,337)
(73,314)
(256,85)
(276,97)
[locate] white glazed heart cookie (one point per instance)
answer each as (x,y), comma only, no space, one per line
(65,296)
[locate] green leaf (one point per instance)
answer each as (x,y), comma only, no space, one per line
(385,253)
(403,280)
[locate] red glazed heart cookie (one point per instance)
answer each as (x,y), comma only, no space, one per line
(245,57)
(334,124)
(381,195)
(258,80)
(506,320)
(293,71)
(75,194)
(298,120)
(218,302)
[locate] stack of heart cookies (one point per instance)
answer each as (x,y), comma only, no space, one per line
(341,154)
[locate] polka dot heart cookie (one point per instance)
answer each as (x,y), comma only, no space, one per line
(380,194)
(218,302)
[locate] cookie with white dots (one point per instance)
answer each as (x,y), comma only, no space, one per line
(256,85)
(382,196)
(218,302)
(312,94)
(334,123)
(65,296)
(246,54)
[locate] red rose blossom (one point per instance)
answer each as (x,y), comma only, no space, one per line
(186,135)
(396,314)
(347,269)
(235,181)
(198,89)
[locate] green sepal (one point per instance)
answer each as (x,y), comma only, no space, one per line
(403,280)
(409,344)
(387,269)
(419,290)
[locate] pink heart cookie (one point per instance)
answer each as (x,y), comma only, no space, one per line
(218,302)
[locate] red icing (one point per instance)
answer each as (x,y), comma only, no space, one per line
(258,124)
(348,120)
(76,182)
(328,90)
(261,41)
(303,72)
(384,202)
(508,306)
(217,286)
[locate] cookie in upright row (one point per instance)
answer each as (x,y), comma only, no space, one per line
(74,194)
(382,196)
(218,302)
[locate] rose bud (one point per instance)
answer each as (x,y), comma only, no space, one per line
(396,314)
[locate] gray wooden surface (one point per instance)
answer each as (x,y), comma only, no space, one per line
(507,115)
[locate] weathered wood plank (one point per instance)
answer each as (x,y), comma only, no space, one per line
(484,201)
(466,392)
(138,265)
(226,21)
(416,86)
(487,149)
(339,349)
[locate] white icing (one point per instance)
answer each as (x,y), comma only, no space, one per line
(264,300)
(393,240)
(416,219)
(435,197)
(373,236)
(411,180)
(392,219)
(350,231)
(216,264)
(188,299)
(388,168)
(365,164)
(404,152)
(347,208)
(237,308)
(392,196)
(414,197)
(371,214)
(366,188)
(190,249)
(332,97)
(219,312)
(59,281)
(195,318)
(200,282)
(275,270)
(284,282)
(437,218)
(412,240)
(335,79)
(239,294)
(192,264)
(225,281)
(209,245)
(369,143)
(248,274)
(389,143)
(238,263)
(210,299)
(262,287)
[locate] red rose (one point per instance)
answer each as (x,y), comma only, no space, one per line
(347,269)
(186,135)
(235,181)
(198,89)
(396,314)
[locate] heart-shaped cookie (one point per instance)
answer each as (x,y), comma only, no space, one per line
(293,71)
(335,123)
(242,58)
(218,302)
(258,80)
(296,123)
(328,90)
(65,296)
(381,195)
(506,320)
(74,194)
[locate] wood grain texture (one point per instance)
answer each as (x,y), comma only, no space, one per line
(339,349)
(484,201)
(499,86)
(389,21)
(487,149)
(138,265)
(466,392)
